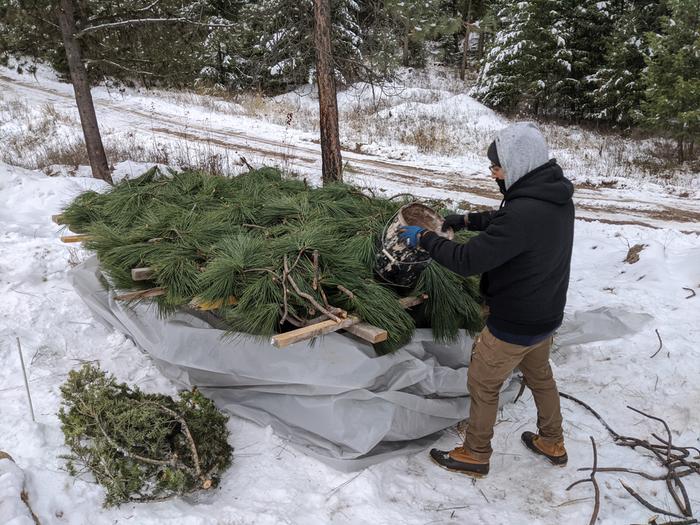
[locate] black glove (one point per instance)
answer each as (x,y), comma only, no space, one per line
(456,222)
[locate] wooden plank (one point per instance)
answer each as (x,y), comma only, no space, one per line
(58,219)
(368,332)
(75,238)
(311,331)
(141,294)
(200,304)
(141,274)
(409,302)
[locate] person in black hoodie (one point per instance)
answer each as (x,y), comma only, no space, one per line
(523,254)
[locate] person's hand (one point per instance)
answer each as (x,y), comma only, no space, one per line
(456,222)
(411,235)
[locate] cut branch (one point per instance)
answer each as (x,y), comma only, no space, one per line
(661,344)
(307,296)
(648,505)
(144,21)
(591,479)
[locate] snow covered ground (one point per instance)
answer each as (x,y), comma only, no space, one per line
(270,482)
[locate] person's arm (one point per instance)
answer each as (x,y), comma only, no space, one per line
(480,220)
(503,239)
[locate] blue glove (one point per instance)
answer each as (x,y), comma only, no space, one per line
(411,235)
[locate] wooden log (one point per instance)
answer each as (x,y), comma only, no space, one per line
(314,330)
(141,274)
(75,238)
(57,219)
(368,332)
(141,294)
(200,304)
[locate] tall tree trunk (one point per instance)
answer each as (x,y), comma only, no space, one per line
(327,100)
(480,51)
(465,51)
(406,58)
(83,97)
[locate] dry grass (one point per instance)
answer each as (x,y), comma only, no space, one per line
(46,138)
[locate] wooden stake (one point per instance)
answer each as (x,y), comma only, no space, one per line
(311,331)
(141,294)
(75,238)
(26,383)
(352,324)
(141,274)
(200,304)
(368,332)
(410,302)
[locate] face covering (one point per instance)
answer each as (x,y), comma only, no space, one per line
(501,185)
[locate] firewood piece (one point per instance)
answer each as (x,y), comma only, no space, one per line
(141,294)
(75,238)
(142,274)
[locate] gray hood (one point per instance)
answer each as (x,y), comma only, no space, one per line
(521,148)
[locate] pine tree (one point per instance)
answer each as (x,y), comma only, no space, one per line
(618,86)
(544,57)
(529,61)
(672,77)
(276,43)
(590,24)
(417,21)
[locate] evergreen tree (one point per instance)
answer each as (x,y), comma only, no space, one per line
(276,43)
(672,78)
(618,86)
(529,61)
(590,26)
(544,56)
(417,21)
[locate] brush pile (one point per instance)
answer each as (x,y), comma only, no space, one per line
(282,251)
(138,446)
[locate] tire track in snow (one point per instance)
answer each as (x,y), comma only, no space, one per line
(607,205)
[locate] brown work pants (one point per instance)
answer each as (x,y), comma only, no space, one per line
(492,362)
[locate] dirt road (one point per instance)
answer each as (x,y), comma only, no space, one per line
(609,205)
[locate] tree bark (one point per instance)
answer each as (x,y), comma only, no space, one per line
(405,60)
(83,97)
(327,100)
(465,51)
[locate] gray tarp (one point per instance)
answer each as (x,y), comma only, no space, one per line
(333,398)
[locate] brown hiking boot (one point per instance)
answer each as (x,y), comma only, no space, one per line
(555,453)
(460,460)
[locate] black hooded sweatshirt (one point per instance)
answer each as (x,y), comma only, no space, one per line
(523,252)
